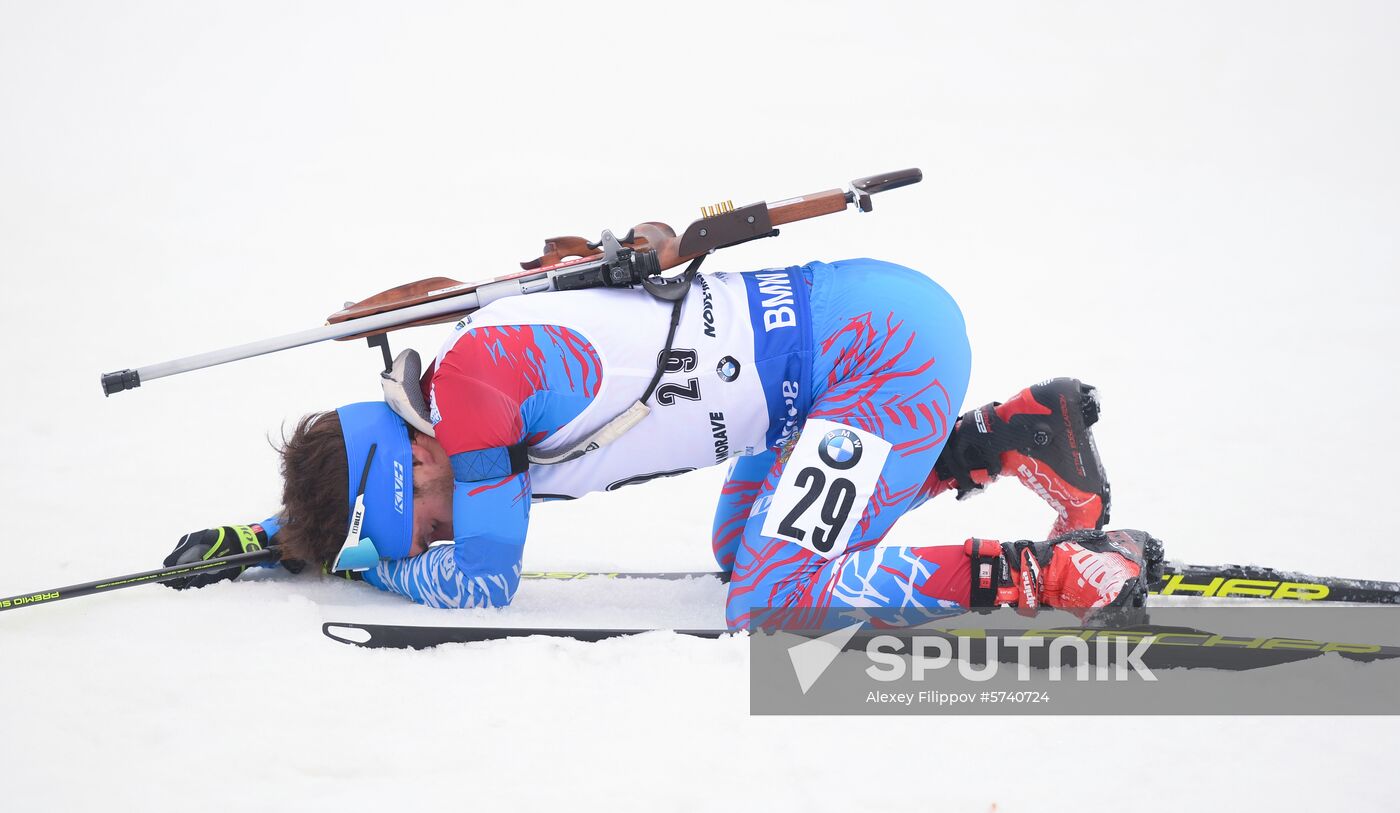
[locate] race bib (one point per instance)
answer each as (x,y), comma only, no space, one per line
(825,486)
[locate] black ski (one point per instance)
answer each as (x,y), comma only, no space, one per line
(405,636)
(1195,581)
(1251,581)
(1189,648)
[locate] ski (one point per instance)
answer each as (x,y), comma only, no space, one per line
(661,575)
(1184,648)
(406,636)
(1179,580)
(1251,581)
(1182,580)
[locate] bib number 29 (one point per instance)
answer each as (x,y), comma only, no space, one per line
(826,486)
(835,510)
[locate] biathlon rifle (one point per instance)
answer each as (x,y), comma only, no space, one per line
(568,263)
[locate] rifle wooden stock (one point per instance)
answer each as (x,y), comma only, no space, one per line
(405,296)
(808,206)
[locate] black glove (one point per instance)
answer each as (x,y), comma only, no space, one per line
(211,543)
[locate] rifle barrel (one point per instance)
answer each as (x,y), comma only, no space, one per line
(667,248)
(130,379)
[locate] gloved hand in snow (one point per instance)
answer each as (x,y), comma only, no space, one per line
(212,543)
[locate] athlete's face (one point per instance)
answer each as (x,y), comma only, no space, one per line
(432,494)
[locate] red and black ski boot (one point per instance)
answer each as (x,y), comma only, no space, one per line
(1084,572)
(1042,437)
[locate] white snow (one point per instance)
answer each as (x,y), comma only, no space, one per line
(1192,206)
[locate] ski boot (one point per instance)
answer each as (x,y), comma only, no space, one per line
(1042,436)
(1087,572)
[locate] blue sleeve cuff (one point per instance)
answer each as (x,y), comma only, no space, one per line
(490,464)
(271,525)
(482,567)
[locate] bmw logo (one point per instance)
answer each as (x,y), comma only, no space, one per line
(840,449)
(728,368)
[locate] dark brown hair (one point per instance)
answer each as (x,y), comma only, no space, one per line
(315,503)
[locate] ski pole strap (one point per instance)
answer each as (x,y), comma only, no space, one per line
(666,289)
(676,296)
(490,464)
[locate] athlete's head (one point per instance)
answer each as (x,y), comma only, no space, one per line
(407,484)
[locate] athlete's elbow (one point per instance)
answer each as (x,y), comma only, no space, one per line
(490,590)
(509,582)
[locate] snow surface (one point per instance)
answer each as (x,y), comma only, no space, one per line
(1192,205)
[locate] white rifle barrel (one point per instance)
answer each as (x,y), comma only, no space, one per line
(130,379)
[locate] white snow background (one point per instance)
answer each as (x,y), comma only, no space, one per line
(1191,205)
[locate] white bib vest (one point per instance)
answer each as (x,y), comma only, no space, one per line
(712,402)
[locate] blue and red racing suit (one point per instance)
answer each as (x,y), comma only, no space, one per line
(833,387)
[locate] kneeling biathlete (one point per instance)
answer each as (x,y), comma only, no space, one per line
(832,390)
